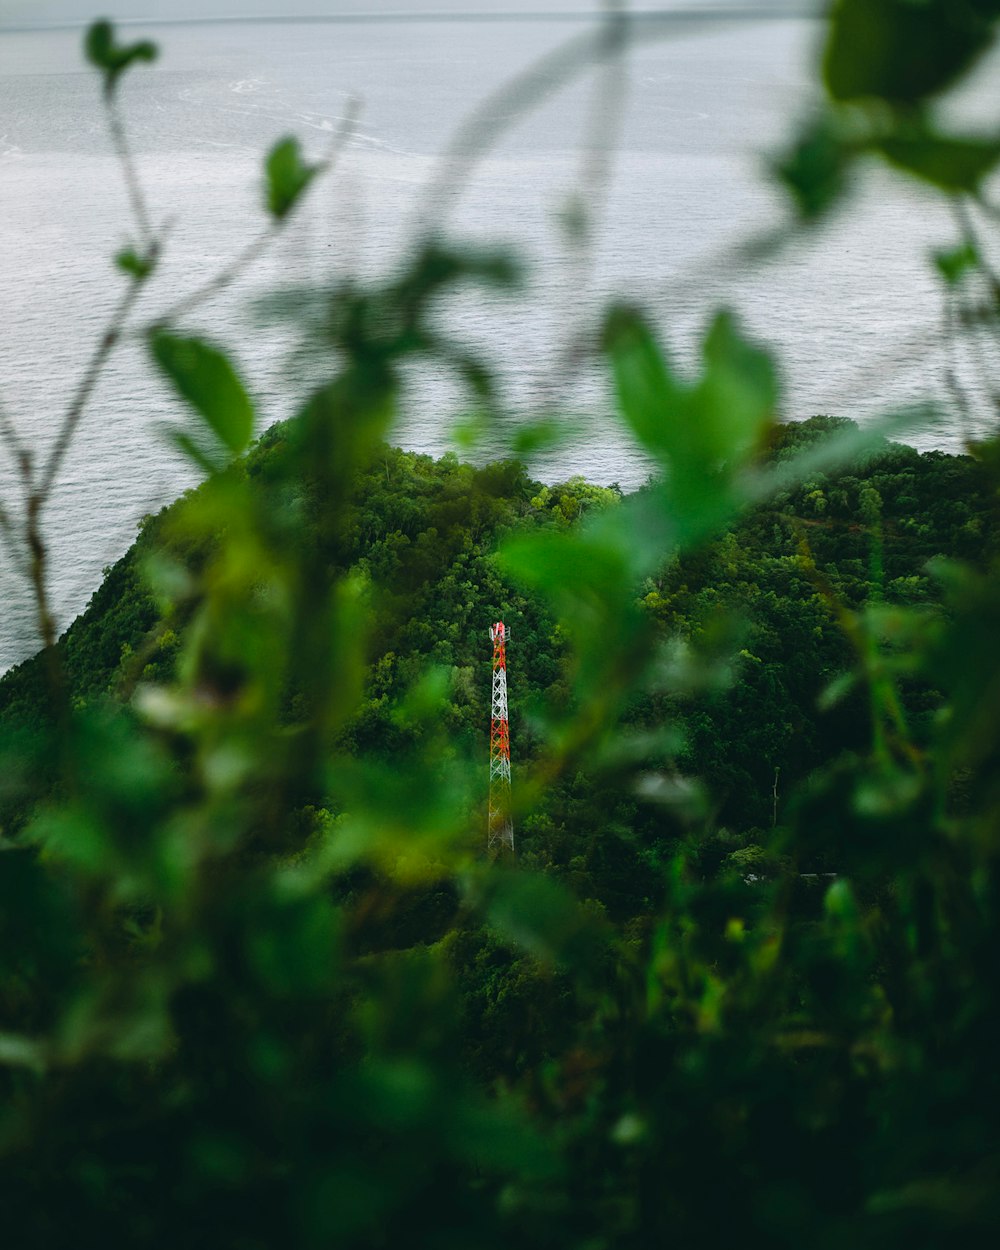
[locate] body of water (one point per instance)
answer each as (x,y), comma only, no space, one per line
(673,156)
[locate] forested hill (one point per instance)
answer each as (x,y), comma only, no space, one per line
(761,605)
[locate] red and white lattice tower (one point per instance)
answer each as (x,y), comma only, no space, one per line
(501,826)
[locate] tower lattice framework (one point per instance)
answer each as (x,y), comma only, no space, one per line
(501,825)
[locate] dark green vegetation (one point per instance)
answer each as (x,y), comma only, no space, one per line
(259,984)
(529,970)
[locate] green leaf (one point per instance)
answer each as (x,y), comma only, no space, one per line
(954,263)
(186,444)
(849,445)
(137,265)
(203,376)
(646,388)
(541,435)
(98,44)
(113,58)
(837,690)
(540,916)
(585,566)
(703,434)
(814,170)
(903,51)
(737,397)
(695,428)
(287,177)
(952,164)
(17,1051)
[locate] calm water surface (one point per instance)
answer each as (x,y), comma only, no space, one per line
(852,313)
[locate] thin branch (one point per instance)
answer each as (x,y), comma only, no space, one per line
(252,253)
(71,420)
(483,128)
(9,434)
(25,466)
(607,114)
(134,187)
(600,142)
(951,373)
(970,235)
(486,124)
(7,526)
(37,567)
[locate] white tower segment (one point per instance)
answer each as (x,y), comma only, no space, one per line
(501,826)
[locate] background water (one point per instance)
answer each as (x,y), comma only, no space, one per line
(852,312)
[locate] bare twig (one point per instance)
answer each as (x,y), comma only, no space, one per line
(586,205)
(7,526)
(132,184)
(25,467)
(248,257)
(10,436)
(607,114)
(483,128)
(951,373)
(486,124)
(970,235)
(38,570)
(38,489)
(71,420)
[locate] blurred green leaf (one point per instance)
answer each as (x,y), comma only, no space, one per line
(951,164)
(22,1052)
(204,377)
(814,170)
(954,263)
(112,58)
(542,435)
(902,51)
(287,177)
(136,264)
(704,433)
(649,395)
(543,918)
(738,396)
(189,448)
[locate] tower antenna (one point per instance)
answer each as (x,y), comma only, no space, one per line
(501,826)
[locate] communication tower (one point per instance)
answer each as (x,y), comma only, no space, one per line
(501,826)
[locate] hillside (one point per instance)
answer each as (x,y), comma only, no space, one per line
(759,605)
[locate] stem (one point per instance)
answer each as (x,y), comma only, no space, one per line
(483,129)
(71,420)
(251,254)
(132,183)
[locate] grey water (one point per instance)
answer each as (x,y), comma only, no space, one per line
(670,150)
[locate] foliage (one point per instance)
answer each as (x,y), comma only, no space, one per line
(259,984)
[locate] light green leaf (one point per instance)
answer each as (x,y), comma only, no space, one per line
(737,398)
(648,394)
